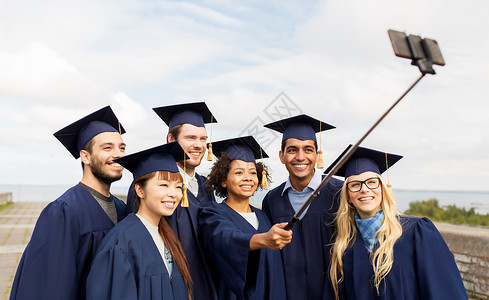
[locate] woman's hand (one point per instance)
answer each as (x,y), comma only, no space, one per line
(275,239)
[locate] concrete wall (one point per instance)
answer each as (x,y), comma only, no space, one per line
(5,198)
(470,248)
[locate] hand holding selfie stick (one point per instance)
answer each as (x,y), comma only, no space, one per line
(424,53)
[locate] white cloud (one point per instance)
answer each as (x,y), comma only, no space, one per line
(61,60)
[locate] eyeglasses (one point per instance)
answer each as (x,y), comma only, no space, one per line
(356,186)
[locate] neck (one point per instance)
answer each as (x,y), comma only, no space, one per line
(188,169)
(299,184)
(241,205)
(148,215)
(89,180)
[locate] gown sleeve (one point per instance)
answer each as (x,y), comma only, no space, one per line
(111,276)
(47,269)
(437,273)
(229,249)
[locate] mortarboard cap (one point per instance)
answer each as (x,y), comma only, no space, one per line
(196,114)
(364,160)
(76,135)
(302,127)
(160,158)
(242,148)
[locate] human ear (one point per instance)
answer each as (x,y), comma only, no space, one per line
(85,156)
(139,191)
(170,138)
(281,156)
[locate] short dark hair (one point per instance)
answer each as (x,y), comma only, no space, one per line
(284,143)
(219,173)
(174,132)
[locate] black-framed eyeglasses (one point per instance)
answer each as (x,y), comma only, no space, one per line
(356,186)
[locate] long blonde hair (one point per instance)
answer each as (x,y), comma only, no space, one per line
(346,231)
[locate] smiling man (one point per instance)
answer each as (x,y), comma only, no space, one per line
(57,260)
(306,258)
(186,126)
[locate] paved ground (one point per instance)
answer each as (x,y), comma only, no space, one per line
(18,220)
(16,225)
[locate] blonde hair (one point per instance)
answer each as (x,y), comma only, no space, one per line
(346,230)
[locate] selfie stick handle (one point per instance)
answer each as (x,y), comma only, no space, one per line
(343,159)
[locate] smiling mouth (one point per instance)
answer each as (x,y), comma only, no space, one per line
(364,199)
(246,187)
(168,204)
(300,166)
(115,165)
(194,154)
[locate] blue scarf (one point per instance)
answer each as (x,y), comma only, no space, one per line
(368,228)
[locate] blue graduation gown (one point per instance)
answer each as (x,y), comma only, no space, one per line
(306,259)
(243,274)
(423,267)
(184,222)
(128,265)
(57,260)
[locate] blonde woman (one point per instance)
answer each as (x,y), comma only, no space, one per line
(379,253)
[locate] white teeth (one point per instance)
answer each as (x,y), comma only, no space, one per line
(300,166)
(366,198)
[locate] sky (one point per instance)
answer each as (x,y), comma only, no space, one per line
(252,62)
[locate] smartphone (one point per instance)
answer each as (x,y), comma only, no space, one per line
(420,48)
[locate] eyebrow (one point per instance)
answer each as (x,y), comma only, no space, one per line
(111,144)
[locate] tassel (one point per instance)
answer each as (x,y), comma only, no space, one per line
(389,186)
(209,153)
(320,163)
(184,198)
(264,181)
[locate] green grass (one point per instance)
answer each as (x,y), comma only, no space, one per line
(450,214)
(4,206)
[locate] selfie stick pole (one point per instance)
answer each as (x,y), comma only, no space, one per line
(342,161)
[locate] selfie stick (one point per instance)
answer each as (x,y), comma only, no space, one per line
(346,156)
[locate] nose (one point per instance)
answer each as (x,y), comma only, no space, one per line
(300,155)
(364,187)
(172,192)
(118,152)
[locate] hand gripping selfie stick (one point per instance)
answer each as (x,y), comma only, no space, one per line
(424,53)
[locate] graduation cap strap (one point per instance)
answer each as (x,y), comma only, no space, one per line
(264,181)
(209,147)
(320,163)
(387,172)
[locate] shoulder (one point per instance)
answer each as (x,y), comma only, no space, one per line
(334,185)
(214,208)
(126,228)
(418,226)
(199,177)
(276,192)
(68,202)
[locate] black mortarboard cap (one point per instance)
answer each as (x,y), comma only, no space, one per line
(76,135)
(243,148)
(302,127)
(196,113)
(364,160)
(160,158)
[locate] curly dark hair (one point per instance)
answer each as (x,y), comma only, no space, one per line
(219,173)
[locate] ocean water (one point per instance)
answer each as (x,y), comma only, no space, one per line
(468,199)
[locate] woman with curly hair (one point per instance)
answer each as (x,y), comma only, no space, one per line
(379,253)
(237,237)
